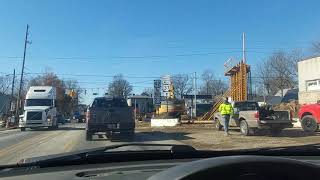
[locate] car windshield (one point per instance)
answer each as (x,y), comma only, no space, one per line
(38,102)
(215,75)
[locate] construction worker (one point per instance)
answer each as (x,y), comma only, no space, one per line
(226,111)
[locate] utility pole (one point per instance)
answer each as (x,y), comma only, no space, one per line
(195,94)
(22,71)
(244,47)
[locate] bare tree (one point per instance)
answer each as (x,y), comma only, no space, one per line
(147,92)
(5,84)
(211,85)
(119,87)
(279,72)
(181,84)
(207,78)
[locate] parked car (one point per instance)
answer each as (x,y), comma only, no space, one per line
(109,115)
(251,118)
(309,116)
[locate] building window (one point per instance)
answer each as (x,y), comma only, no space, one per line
(313,85)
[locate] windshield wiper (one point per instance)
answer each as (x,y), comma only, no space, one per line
(102,154)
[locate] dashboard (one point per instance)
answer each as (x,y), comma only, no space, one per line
(124,170)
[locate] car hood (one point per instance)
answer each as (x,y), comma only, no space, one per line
(41,108)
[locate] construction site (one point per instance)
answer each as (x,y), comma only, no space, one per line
(240,89)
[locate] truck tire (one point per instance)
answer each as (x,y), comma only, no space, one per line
(309,124)
(218,125)
(89,136)
(23,129)
(275,131)
(244,128)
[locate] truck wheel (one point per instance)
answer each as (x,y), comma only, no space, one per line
(275,131)
(244,128)
(218,125)
(23,129)
(88,135)
(108,134)
(309,124)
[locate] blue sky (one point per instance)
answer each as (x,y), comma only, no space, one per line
(123,36)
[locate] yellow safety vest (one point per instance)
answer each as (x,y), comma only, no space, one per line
(226,109)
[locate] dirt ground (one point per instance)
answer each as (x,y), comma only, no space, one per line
(204,136)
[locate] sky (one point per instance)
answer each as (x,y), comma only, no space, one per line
(92,40)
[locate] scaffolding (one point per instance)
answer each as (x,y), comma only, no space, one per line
(239,81)
(238,90)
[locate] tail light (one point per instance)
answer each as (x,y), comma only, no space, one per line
(88,115)
(291,115)
(256,115)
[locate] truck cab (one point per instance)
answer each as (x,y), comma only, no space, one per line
(39,108)
(309,116)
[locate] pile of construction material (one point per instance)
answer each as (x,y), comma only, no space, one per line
(292,106)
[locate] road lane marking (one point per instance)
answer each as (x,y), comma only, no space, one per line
(68,146)
(72,143)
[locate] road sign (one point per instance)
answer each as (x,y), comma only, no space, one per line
(166,83)
(157,91)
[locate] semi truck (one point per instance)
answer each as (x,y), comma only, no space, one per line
(39,108)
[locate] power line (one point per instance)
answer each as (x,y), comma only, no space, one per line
(125,57)
(91,75)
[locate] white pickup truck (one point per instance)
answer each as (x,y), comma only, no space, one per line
(251,118)
(39,108)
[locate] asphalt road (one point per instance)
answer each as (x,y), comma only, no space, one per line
(16,145)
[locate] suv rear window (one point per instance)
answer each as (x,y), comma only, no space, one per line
(107,103)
